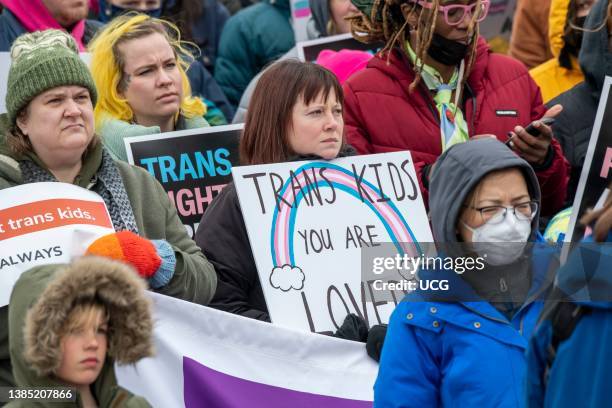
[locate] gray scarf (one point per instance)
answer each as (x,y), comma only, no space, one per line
(107,183)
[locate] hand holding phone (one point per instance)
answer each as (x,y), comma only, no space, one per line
(533,143)
(534,131)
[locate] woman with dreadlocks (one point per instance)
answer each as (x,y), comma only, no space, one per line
(436,84)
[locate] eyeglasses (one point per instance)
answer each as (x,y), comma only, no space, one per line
(495,214)
(454,14)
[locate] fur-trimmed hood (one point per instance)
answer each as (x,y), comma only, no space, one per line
(41,302)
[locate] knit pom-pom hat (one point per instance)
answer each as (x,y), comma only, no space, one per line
(43,60)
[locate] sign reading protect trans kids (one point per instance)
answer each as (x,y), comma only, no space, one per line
(193,166)
(46,223)
(308,223)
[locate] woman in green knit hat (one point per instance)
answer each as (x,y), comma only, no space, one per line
(50,101)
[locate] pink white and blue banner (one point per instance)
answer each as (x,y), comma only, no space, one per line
(208,358)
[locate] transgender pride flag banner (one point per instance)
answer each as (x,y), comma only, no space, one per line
(208,358)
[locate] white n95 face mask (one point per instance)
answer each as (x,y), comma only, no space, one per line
(501,243)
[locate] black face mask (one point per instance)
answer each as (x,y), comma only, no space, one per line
(447,52)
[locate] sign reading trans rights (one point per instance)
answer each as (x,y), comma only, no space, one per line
(193,165)
(308,223)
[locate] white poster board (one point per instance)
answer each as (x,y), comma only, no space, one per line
(46,223)
(308,222)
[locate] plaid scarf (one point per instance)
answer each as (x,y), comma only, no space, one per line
(107,183)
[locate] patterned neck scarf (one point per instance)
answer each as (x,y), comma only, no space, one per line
(107,183)
(453,127)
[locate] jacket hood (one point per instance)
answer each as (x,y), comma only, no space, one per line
(320,16)
(595,57)
(458,170)
(556,25)
(43,298)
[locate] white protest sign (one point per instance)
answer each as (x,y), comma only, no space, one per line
(46,223)
(308,222)
(5,65)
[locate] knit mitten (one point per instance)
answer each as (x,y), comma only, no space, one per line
(154,260)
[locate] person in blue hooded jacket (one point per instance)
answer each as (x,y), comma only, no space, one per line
(569,355)
(465,347)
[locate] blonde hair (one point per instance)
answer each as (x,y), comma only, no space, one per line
(386,24)
(85,315)
(107,65)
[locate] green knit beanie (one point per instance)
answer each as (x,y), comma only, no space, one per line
(43,60)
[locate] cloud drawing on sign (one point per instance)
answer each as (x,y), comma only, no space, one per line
(287,277)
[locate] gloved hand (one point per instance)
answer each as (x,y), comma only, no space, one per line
(154,260)
(376,339)
(353,328)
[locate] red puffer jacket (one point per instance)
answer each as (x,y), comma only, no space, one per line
(381,116)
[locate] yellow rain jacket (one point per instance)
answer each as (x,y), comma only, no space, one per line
(552,78)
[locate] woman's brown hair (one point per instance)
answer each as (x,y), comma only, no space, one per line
(265,136)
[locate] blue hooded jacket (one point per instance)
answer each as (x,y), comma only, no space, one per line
(464,353)
(580,374)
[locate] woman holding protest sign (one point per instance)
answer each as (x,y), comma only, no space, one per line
(436,84)
(295,114)
(138,65)
(465,347)
(50,102)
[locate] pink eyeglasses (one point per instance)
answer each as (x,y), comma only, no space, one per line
(454,14)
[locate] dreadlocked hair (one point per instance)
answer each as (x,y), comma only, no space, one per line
(386,24)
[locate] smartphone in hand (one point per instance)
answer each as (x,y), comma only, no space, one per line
(535,132)
(532,130)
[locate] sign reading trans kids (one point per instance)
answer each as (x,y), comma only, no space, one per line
(46,223)
(192,166)
(308,223)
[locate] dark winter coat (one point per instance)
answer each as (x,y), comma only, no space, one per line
(11,28)
(574,125)
(223,237)
(382,116)
(579,375)
(252,38)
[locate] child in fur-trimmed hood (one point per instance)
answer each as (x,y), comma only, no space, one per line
(46,312)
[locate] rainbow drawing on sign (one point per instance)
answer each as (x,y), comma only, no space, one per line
(283,222)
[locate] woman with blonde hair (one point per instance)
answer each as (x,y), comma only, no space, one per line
(139,67)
